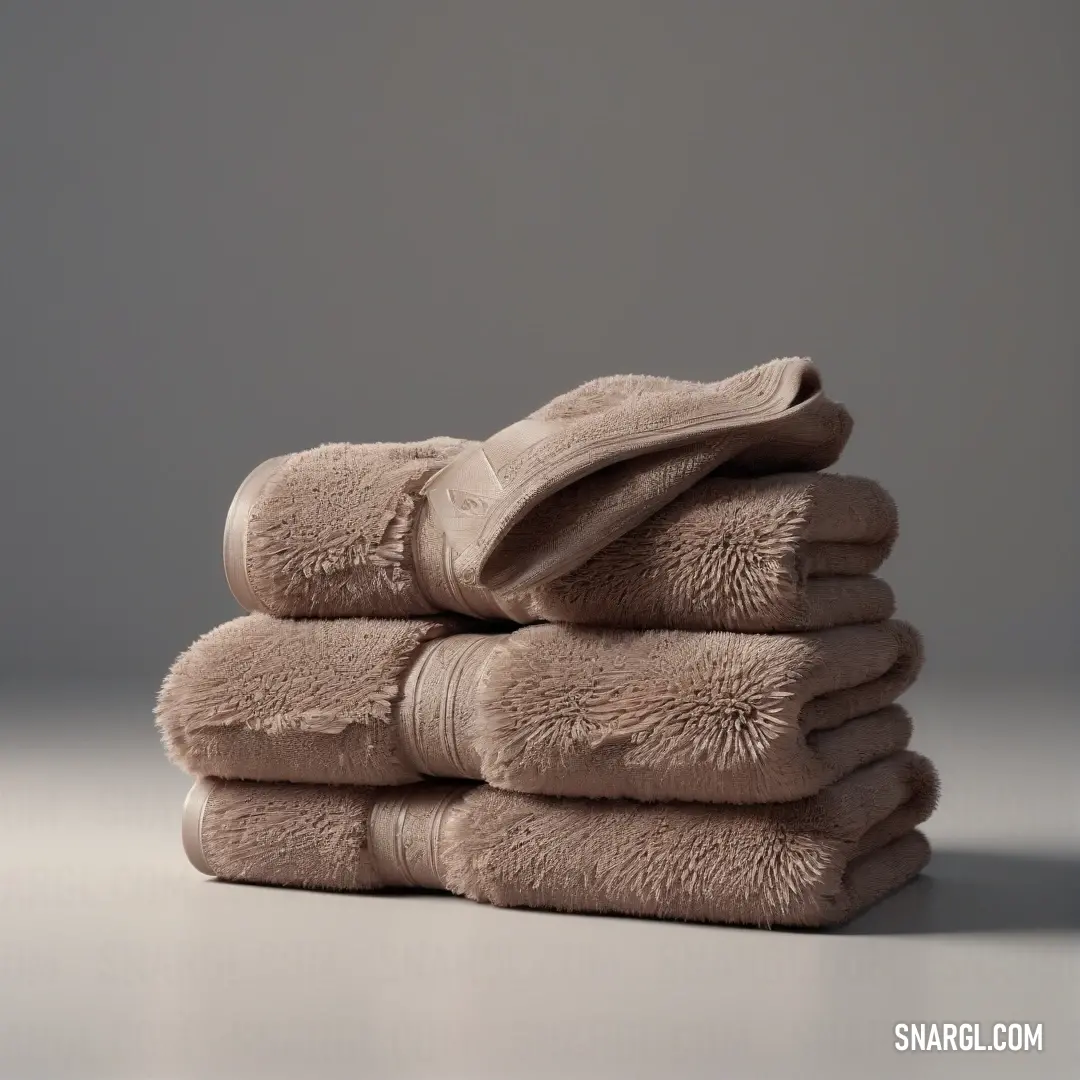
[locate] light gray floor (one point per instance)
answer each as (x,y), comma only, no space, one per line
(117,960)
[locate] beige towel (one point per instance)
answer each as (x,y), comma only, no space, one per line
(815,862)
(554,709)
(598,508)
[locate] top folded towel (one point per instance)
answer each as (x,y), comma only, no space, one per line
(594,508)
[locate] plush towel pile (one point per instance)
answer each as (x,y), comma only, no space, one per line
(705,668)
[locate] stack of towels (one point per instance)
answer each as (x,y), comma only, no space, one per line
(627,655)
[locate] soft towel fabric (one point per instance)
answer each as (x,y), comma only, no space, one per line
(793,551)
(814,862)
(553,709)
(605,507)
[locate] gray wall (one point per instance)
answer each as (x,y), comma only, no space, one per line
(230,230)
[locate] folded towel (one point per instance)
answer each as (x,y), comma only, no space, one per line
(554,709)
(595,509)
(815,862)
(792,551)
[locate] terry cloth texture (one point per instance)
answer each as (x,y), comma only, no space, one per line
(615,504)
(793,551)
(814,862)
(552,709)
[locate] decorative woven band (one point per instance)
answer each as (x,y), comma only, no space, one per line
(438,703)
(440,582)
(404,832)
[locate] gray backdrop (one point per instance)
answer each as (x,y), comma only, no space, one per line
(230,230)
